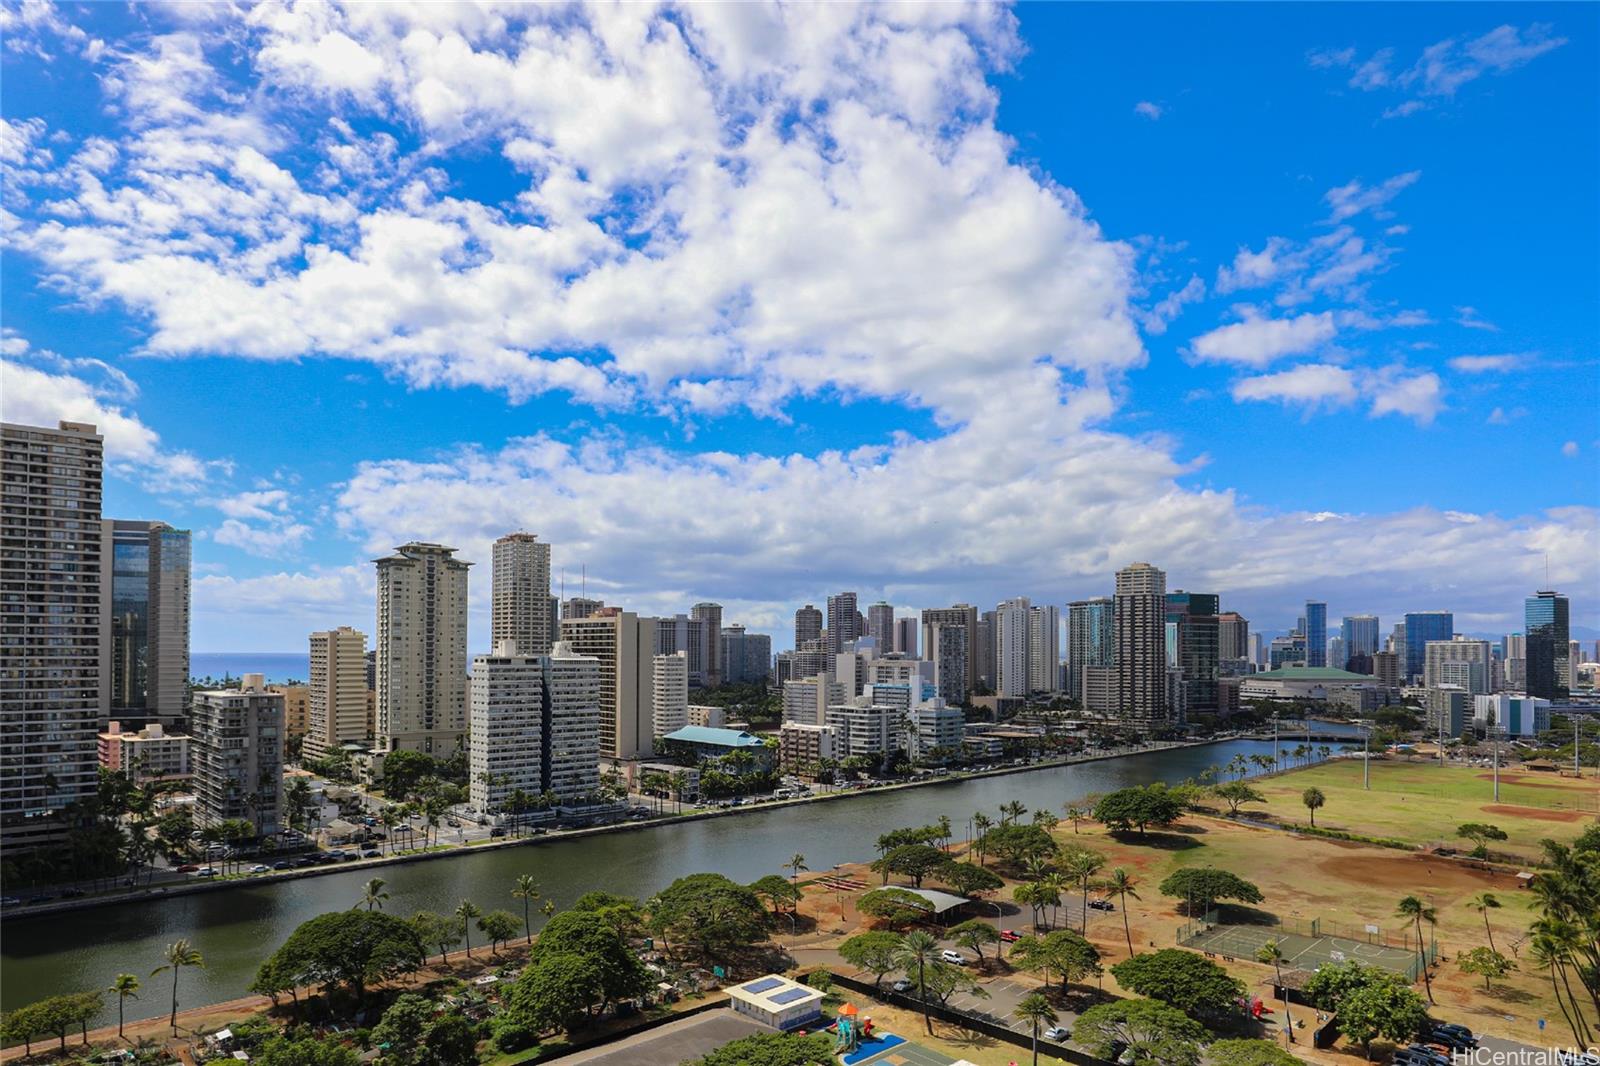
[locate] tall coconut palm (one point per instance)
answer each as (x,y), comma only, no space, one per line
(1036,1011)
(981,824)
(1123,883)
(1080,868)
(944,831)
(124,985)
(1075,814)
(1549,952)
(1483,903)
(1010,812)
(796,863)
(1271,953)
(1414,909)
(527,890)
(917,949)
(372,895)
(179,954)
(467,911)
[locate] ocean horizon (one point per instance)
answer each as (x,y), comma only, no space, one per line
(279,667)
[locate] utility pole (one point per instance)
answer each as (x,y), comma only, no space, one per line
(1494,733)
(1577,742)
(1366,755)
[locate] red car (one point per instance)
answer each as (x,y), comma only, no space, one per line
(1010,936)
(189,869)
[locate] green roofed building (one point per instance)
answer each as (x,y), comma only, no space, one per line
(1357,692)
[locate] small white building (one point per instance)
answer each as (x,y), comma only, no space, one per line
(776,1001)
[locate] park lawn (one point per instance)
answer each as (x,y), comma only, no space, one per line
(1308,877)
(1423,802)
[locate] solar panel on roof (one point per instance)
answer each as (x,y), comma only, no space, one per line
(790,995)
(764,984)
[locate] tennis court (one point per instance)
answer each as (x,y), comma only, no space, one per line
(1299,950)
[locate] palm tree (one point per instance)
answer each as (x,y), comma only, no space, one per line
(467,911)
(1075,814)
(1549,950)
(124,985)
(372,895)
(1313,798)
(1036,1011)
(916,950)
(981,824)
(1270,953)
(527,890)
(1123,883)
(1413,908)
(944,831)
(1483,903)
(1080,869)
(178,955)
(549,909)
(389,817)
(796,863)
(1010,812)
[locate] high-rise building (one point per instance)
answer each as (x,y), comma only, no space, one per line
(947,650)
(422,650)
(1442,657)
(961,614)
(1044,649)
(535,726)
(1258,650)
(807,626)
(520,574)
(1549,669)
(746,656)
(1139,614)
(144,607)
(1360,633)
(237,753)
(843,622)
(905,637)
(1421,627)
(1316,631)
(709,615)
(1397,642)
(880,625)
(1199,648)
(685,634)
(624,644)
(669,693)
(1386,669)
(1233,637)
(296,710)
(580,607)
(1011,648)
(336,705)
(50,627)
(1091,640)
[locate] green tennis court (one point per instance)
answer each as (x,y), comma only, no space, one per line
(1299,951)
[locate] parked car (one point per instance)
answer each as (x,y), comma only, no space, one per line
(10,901)
(1010,936)
(372,853)
(1102,905)
(206,871)
(1445,1032)
(498,831)
(40,899)
(282,864)
(954,958)
(1059,1034)
(188,868)
(72,893)
(901,985)
(261,868)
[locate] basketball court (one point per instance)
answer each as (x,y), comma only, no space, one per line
(1299,950)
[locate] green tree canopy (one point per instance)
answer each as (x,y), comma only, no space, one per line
(1248,1053)
(304,1051)
(1386,1008)
(708,912)
(1332,982)
(779,892)
(442,931)
(589,936)
(912,861)
(555,993)
(1192,983)
(1236,794)
(1486,963)
(1205,885)
(966,879)
(1016,844)
(1062,952)
(499,927)
(894,907)
(1152,1034)
(1138,808)
(349,948)
(874,951)
(772,1049)
(622,913)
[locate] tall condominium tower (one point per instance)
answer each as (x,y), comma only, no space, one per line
(1044,649)
(1233,636)
(1360,633)
(963,615)
(580,607)
(520,574)
(947,650)
(50,627)
(144,639)
(625,646)
(1091,640)
(1139,614)
(843,619)
(712,669)
(422,650)
(880,626)
(1198,653)
(746,656)
(1316,631)
(336,709)
(1011,647)
(807,625)
(1421,627)
(238,756)
(669,693)
(535,726)
(1546,637)
(905,636)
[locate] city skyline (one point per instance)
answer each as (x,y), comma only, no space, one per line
(733,436)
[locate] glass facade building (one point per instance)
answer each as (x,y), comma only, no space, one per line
(145,592)
(1316,631)
(1546,639)
(1422,627)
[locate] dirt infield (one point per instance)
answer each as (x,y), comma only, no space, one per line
(1543,814)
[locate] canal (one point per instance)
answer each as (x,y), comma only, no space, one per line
(235,930)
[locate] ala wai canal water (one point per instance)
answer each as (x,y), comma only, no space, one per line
(235,930)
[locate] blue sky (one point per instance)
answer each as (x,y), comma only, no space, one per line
(727,302)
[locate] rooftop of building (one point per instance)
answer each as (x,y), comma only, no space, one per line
(724,738)
(1309,673)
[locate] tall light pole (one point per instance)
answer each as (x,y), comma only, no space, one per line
(1366,755)
(1494,735)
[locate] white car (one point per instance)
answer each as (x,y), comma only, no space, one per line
(206,871)
(1058,1034)
(901,985)
(261,868)
(954,958)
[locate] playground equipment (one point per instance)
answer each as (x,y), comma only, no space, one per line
(850,1030)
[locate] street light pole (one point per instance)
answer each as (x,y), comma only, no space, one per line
(1366,755)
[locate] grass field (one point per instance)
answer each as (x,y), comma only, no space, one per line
(1424,802)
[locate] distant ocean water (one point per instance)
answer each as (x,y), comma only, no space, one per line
(278,666)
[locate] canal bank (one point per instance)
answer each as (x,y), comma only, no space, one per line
(235,928)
